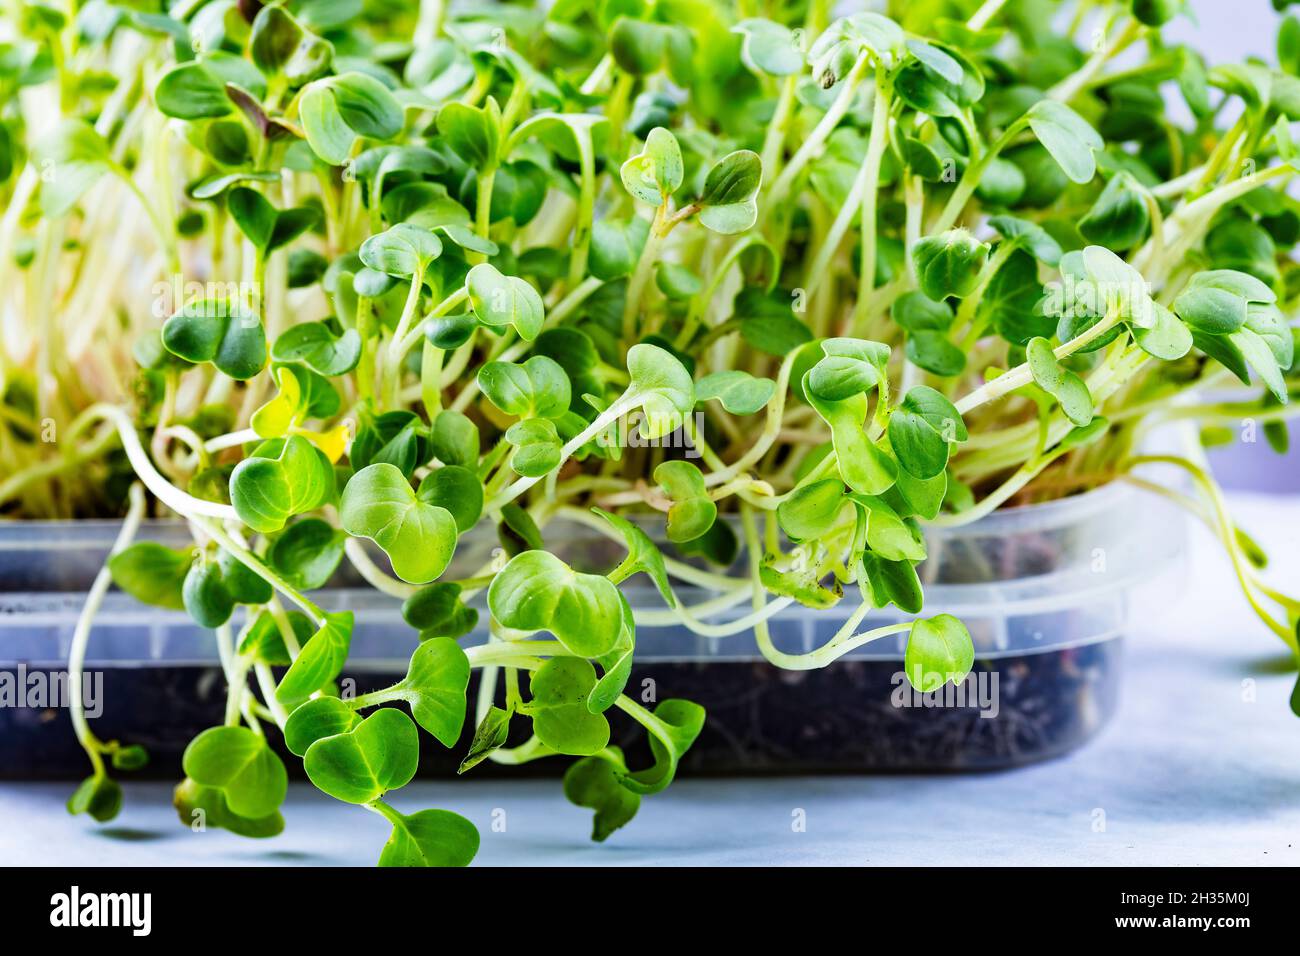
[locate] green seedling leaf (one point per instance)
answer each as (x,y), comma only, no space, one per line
(362,764)
(456,489)
(939,650)
(1067,136)
(418,537)
(739,392)
(279,45)
(561,718)
(206,597)
(267,491)
(770,48)
(536,591)
(316,345)
(729,191)
(1029,236)
(537,445)
(917,312)
(307,553)
(492,732)
(596,783)
(77,156)
(266,227)
(403,250)
(220,331)
(434,687)
(949,264)
(693,511)
(316,719)
(802,584)
(892,582)
(98,796)
(663,387)
(921,430)
(518,532)
(430,838)
(537,387)
(336,110)
(811,511)
(192,91)
(850,367)
(133,757)
(642,555)
(264,644)
(1167,339)
(152,573)
(655,173)
(239,763)
(195,802)
(1059,382)
(473,133)
(1120,217)
(673,728)
(455,439)
(861,463)
(320,660)
(500,301)
(888,535)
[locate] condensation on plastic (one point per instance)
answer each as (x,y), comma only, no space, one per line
(1026,581)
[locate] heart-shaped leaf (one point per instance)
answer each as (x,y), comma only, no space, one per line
(561,719)
(500,300)
(267,491)
(434,686)
(537,387)
(362,764)
(221,331)
(316,719)
(655,173)
(430,838)
(316,345)
(536,591)
(810,511)
(239,763)
(419,538)
(693,511)
(266,227)
(336,110)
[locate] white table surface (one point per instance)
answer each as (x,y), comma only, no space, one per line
(1191,771)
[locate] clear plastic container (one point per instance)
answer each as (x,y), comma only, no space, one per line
(1045,591)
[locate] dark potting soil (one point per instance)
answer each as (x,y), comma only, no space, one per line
(854,716)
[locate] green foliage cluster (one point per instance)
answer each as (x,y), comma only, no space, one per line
(878,272)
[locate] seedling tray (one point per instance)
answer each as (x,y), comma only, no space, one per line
(1045,590)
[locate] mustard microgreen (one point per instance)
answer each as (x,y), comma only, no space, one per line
(847,277)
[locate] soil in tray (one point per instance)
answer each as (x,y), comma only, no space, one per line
(854,716)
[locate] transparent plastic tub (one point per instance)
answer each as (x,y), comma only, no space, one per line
(1045,590)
